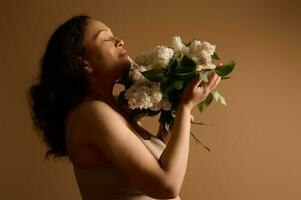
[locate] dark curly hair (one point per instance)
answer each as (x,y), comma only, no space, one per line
(60,85)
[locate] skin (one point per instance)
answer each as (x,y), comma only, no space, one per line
(102,132)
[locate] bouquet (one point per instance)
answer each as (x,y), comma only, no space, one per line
(155,80)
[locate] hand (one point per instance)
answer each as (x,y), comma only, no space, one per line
(198,90)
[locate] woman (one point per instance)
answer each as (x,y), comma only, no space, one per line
(112,155)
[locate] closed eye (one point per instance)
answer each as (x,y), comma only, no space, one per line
(109,39)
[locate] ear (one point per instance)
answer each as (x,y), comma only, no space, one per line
(86,65)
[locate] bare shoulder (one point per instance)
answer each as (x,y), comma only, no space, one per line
(97,108)
(81,114)
(93,115)
(112,137)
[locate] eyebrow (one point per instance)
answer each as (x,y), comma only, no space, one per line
(99,31)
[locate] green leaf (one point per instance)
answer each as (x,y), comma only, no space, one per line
(163,84)
(204,75)
(186,64)
(226,77)
(184,76)
(166,88)
(166,126)
(187,61)
(173,63)
(154,75)
(204,104)
(178,84)
(226,68)
(164,80)
(184,69)
(121,98)
(188,43)
(167,119)
(218,97)
(215,56)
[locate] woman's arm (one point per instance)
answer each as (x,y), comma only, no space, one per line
(182,123)
(165,137)
(175,155)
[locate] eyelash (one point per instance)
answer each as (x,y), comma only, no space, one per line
(109,39)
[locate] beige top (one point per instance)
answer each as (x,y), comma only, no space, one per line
(106,182)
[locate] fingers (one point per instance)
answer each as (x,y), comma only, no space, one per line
(196,81)
(210,76)
(214,85)
(212,81)
(213,77)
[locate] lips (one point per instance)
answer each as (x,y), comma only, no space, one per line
(123,52)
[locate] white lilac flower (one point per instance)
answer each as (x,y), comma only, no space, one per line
(133,63)
(211,66)
(208,47)
(135,75)
(160,56)
(206,66)
(163,104)
(157,106)
(143,59)
(194,47)
(138,66)
(137,97)
(166,105)
(201,52)
(178,46)
(143,95)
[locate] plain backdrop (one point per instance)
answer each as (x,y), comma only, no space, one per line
(255,141)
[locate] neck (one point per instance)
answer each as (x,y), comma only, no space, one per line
(102,90)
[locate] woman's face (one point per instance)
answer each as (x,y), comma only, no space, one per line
(104,52)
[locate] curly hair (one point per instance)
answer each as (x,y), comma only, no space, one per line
(60,85)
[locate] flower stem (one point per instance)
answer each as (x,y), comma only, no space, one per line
(202,123)
(199,142)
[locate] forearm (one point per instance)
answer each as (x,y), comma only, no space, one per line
(175,155)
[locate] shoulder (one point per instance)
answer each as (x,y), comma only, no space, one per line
(88,108)
(86,116)
(97,115)
(97,112)
(95,108)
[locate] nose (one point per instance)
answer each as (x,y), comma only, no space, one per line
(119,42)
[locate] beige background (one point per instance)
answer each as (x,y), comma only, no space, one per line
(256,140)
